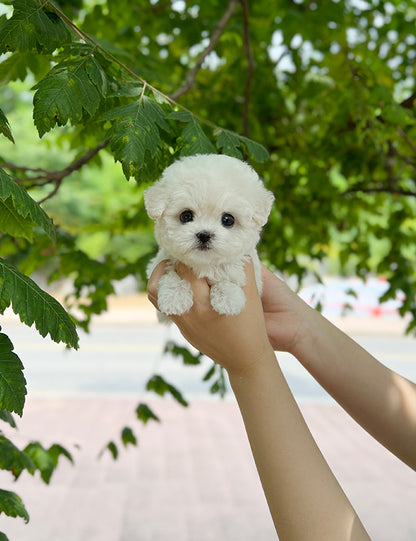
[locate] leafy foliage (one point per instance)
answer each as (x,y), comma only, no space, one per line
(35,306)
(184,353)
(145,414)
(14,460)
(34,457)
(32,28)
(67,92)
(215,374)
(135,134)
(219,385)
(46,460)
(194,138)
(160,386)
(127,437)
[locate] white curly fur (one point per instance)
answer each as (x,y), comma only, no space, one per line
(208,185)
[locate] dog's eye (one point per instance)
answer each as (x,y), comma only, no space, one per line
(227,220)
(186,216)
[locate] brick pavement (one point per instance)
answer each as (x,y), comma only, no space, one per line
(192,478)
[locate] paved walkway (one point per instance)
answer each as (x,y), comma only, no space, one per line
(192,478)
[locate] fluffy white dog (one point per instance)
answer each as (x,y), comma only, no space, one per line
(208,211)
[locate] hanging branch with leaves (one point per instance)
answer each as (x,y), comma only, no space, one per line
(81,86)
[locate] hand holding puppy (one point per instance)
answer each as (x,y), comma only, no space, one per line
(236,343)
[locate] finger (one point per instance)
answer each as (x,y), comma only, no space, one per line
(153,283)
(250,286)
(249,270)
(200,286)
(185,272)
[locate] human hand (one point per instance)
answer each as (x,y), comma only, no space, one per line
(238,342)
(285,313)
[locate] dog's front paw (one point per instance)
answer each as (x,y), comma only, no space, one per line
(174,295)
(227,298)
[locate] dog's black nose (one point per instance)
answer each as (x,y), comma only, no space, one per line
(204,237)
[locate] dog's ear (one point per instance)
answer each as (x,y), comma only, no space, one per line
(155,200)
(262,205)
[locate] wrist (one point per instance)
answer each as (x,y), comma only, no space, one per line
(254,370)
(310,327)
(317,339)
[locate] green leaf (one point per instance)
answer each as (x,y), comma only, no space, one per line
(31,27)
(210,373)
(56,451)
(112,447)
(12,505)
(14,460)
(5,127)
(196,142)
(397,115)
(255,150)
(136,133)
(97,75)
(17,66)
(19,213)
(66,92)
(230,143)
(219,386)
(13,68)
(35,306)
(145,414)
(7,417)
(3,537)
(46,460)
(127,436)
(12,380)
(41,459)
(159,386)
(183,352)
(12,223)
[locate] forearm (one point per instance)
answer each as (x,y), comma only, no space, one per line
(380,400)
(305,500)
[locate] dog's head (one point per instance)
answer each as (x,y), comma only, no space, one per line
(208,209)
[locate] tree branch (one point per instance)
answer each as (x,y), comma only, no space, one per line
(57,176)
(47,177)
(191,77)
(385,189)
(406,138)
(160,6)
(250,67)
(408,102)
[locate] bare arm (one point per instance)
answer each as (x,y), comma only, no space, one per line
(380,400)
(305,500)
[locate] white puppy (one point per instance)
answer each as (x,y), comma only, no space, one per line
(208,211)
